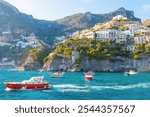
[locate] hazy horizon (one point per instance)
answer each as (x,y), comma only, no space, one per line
(53,10)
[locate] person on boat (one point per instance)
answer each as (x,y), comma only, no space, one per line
(57,74)
(89,73)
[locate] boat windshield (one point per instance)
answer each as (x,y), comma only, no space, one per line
(37,79)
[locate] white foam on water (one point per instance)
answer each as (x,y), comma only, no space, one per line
(7,89)
(121,87)
(69,86)
(73,90)
(46,90)
(77,88)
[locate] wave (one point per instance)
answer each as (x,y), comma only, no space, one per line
(78,88)
(73,90)
(46,91)
(69,86)
(121,87)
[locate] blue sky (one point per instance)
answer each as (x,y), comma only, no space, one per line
(56,9)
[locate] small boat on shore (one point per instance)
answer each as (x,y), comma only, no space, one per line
(57,74)
(130,72)
(34,83)
(88,76)
(20,69)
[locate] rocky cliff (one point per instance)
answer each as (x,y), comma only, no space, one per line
(147,23)
(34,60)
(117,64)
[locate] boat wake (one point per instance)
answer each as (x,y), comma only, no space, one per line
(73,90)
(78,88)
(123,87)
(7,89)
(69,86)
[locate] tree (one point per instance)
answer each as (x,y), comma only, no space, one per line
(147,49)
(122,28)
(67,52)
(136,57)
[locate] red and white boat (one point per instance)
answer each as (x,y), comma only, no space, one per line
(88,76)
(34,83)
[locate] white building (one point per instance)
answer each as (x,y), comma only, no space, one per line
(131,48)
(89,35)
(6,32)
(134,25)
(138,39)
(103,34)
(115,35)
(122,37)
(130,32)
(119,17)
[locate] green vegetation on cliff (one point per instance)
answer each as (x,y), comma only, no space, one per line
(90,49)
(141,49)
(37,55)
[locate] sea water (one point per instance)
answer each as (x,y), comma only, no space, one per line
(104,86)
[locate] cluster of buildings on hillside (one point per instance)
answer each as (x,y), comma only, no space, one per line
(118,30)
(63,38)
(27,40)
(5,33)
(17,37)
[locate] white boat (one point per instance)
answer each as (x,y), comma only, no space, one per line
(57,75)
(20,69)
(34,83)
(130,72)
(88,76)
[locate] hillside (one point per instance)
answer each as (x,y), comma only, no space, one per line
(147,22)
(19,22)
(20,32)
(85,20)
(120,42)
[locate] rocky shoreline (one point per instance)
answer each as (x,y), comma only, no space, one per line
(110,65)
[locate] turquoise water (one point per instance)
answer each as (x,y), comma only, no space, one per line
(105,86)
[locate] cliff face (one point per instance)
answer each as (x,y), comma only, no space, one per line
(147,23)
(115,65)
(31,64)
(34,60)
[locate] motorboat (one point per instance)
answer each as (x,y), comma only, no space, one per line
(88,76)
(57,75)
(34,83)
(130,72)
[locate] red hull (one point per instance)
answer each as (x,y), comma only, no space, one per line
(88,78)
(27,86)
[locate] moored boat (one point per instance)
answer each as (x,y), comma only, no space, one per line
(33,83)
(20,69)
(57,74)
(88,76)
(130,72)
